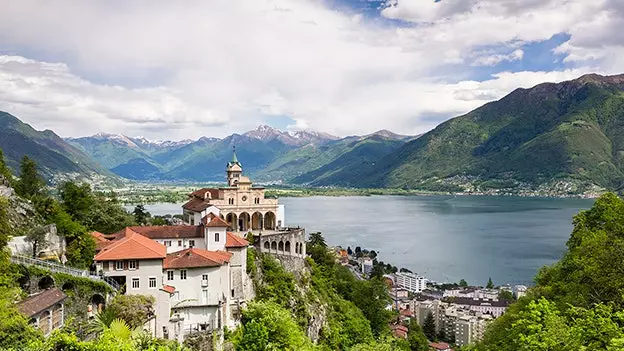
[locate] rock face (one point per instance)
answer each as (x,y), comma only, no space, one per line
(21,213)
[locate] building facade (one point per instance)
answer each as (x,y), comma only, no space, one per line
(411,282)
(46,310)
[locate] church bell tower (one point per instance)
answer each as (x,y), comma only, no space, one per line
(234,170)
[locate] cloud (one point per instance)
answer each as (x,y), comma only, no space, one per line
(186,69)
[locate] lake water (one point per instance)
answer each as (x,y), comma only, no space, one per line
(445,238)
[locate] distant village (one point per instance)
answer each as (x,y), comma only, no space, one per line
(456,313)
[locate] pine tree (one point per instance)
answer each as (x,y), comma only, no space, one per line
(490,284)
(4,169)
(30,183)
(429,327)
(140,215)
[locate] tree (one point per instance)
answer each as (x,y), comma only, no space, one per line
(158,220)
(371,296)
(416,337)
(358,252)
(349,251)
(5,228)
(77,200)
(4,169)
(429,327)
(506,296)
(136,310)
(30,182)
(372,254)
(490,284)
(140,215)
(37,237)
(268,326)
(316,239)
(463,283)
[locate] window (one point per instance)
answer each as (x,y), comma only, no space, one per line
(244,198)
(135,283)
(169,275)
(132,264)
(232,292)
(152,282)
(205,296)
(167,243)
(119,265)
(179,243)
(183,274)
(231,201)
(204,276)
(257,200)
(191,243)
(217,237)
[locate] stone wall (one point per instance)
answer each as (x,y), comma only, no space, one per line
(290,242)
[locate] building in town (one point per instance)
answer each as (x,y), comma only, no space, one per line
(46,310)
(411,282)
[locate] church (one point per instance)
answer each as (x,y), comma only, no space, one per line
(241,204)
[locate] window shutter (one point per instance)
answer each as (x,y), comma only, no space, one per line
(137,264)
(105,265)
(125,265)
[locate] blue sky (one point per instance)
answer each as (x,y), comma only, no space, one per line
(177,70)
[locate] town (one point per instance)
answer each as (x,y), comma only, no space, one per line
(449,313)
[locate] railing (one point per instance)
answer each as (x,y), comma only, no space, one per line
(59,268)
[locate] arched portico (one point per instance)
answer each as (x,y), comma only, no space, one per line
(287,246)
(244,222)
(269,220)
(280,246)
(274,245)
(232,219)
(256,221)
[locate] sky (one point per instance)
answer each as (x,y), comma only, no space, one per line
(175,70)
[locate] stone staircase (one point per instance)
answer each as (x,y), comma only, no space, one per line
(59,268)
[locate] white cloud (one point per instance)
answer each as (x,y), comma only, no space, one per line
(185,69)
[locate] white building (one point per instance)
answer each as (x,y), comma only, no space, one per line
(411,282)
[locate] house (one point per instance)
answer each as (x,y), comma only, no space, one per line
(46,310)
(136,261)
(399,331)
(200,280)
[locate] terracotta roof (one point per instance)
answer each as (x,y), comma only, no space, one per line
(210,220)
(131,245)
(169,231)
(101,240)
(37,303)
(233,240)
(195,257)
(203,193)
(196,205)
(168,288)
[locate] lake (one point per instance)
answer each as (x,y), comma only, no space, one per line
(445,238)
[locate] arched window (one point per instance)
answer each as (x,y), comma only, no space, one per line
(287,246)
(280,246)
(267,245)
(216,237)
(274,245)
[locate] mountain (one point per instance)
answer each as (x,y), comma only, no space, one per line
(572,130)
(268,154)
(53,155)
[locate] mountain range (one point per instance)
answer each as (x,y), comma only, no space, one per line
(569,131)
(268,153)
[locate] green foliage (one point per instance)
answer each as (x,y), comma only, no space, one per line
(490,284)
(251,262)
(30,183)
(416,338)
(5,229)
(278,285)
(4,169)
(463,283)
(141,216)
(578,302)
(506,295)
(429,327)
(268,326)
(135,310)
(36,236)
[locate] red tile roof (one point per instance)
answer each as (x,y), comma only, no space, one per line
(195,257)
(232,240)
(40,302)
(210,220)
(196,205)
(203,193)
(101,240)
(168,288)
(170,231)
(131,245)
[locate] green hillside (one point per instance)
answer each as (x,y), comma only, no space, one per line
(571,130)
(53,155)
(353,159)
